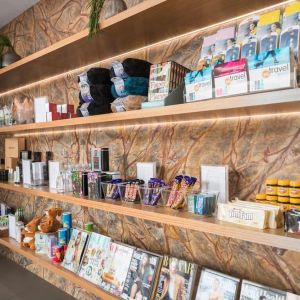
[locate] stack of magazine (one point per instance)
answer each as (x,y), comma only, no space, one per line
(130,273)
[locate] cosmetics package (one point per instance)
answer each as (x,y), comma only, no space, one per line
(292,221)
(54,172)
(93,185)
(37,156)
(13,146)
(100,159)
(12,226)
(164,78)
(268,30)
(207,51)
(226,47)
(231,78)
(51,107)
(40,109)
(146,170)
(11,163)
(198,85)
(38,171)
(27,172)
(272,70)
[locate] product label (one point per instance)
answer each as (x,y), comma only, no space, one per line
(85,88)
(120,86)
(119,70)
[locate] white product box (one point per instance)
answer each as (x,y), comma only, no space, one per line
(247,216)
(40,109)
(215,179)
(54,172)
(59,108)
(49,116)
(146,170)
(27,171)
(12,226)
(64,108)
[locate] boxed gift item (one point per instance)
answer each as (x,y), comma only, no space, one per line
(164,78)
(272,70)
(198,85)
(231,78)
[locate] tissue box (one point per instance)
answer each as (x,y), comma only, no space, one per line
(198,85)
(231,78)
(271,70)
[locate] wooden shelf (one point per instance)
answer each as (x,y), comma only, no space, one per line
(275,102)
(45,262)
(149,22)
(275,238)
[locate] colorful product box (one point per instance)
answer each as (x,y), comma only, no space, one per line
(198,85)
(271,70)
(231,78)
(164,78)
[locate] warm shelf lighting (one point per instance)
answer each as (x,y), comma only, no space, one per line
(81,69)
(154,124)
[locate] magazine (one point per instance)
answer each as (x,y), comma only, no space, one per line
(116,268)
(140,280)
(254,291)
(75,250)
(94,257)
(176,279)
(215,285)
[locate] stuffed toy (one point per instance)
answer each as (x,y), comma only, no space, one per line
(49,222)
(28,233)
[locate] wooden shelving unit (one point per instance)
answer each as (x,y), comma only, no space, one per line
(132,29)
(275,102)
(275,238)
(45,262)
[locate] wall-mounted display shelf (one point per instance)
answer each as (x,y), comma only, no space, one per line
(275,238)
(45,262)
(132,29)
(283,101)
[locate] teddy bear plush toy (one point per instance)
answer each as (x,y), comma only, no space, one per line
(28,233)
(49,222)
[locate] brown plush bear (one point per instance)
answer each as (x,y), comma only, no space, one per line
(28,234)
(49,223)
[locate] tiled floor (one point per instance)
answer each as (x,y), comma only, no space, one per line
(16,283)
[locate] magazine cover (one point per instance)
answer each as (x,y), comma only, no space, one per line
(247,29)
(176,279)
(290,38)
(116,268)
(75,250)
(269,23)
(141,277)
(94,257)
(217,286)
(207,51)
(254,291)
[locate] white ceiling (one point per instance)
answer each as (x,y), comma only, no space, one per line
(9,9)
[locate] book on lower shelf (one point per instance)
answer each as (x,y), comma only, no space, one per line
(94,257)
(142,274)
(215,285)
(176,279)
(116,268)
(75,250)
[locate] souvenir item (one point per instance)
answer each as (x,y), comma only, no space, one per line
(271,70)
(292,221)
(49,223)
(254,291)
(215,285)
(75,250)
(141,276)
(164,78)
(116,268)
(231,78)
(202,203)
(179,273)
(94,258)
(198,85)
(28,234)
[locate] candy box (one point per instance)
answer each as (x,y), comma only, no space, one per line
(198,85)
(231,78)
(272,70)
(292,221)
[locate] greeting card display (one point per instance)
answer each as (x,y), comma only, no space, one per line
(96,253)
(215,285)
(75,250)
(116,268)
(176,279)
(141,276)
(198,85)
